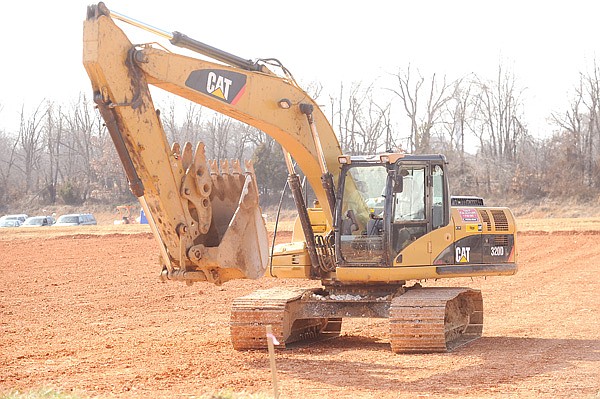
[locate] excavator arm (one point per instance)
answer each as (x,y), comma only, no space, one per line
(204,214)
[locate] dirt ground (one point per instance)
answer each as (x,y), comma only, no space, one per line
(84,310)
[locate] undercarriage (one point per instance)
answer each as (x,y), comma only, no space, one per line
(422,320)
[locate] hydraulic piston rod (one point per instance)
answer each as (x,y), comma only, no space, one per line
(180,40)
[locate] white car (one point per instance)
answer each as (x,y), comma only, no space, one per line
(10,223)
(20,217)
(76,219)
(38,221)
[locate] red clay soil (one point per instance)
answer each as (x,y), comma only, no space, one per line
(88,313)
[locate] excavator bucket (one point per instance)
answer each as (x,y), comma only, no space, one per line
(224,234)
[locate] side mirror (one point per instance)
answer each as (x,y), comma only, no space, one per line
(398,183)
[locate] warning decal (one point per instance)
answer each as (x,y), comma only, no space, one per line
(468,214)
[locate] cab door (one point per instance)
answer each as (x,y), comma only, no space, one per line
(420,224)
(410,217)
(442,231)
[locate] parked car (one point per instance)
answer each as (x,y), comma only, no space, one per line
(20,217)
(10,223)
(38,221)
(76,219)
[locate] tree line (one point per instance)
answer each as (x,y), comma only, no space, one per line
(63,154)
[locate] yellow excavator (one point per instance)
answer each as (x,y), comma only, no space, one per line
(378,221)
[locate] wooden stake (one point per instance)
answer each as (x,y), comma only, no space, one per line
(270,342)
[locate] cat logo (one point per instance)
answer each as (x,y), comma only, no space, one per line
(227,86)
(463,254)
(218,85)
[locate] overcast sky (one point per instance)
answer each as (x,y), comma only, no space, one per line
(546,44)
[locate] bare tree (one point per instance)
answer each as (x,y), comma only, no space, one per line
(408,91)
(30,139)
(458,111)
(6,163)
(244,140)
(8,158)
(187,129)
(364,126)
(456,128)
(423,116)
(53,136)
(255,136)
(500,111)
(81,145)
(228,138)
(572,123)
(314,90)
(218,131)
(591,100)
(580,127)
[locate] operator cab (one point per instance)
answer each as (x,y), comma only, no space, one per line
(385,203)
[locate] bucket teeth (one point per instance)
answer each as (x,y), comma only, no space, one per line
(224,166)
(218,186)
(236,169)
(228,178)
(176,150)
(249,166)
(186,155)
(214,167)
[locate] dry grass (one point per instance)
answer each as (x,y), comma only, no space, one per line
(23,233)
(40,394)
(558,224)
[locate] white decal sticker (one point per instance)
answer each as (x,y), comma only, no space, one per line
(218,85)
(497,251)
(463,254)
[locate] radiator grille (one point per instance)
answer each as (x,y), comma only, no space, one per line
(501,241)
(486,219)
(500,220)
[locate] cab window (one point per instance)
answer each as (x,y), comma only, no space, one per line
(409,204)
(437,214)
(361,225)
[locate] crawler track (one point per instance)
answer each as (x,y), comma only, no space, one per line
(428,320)
(280,308)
